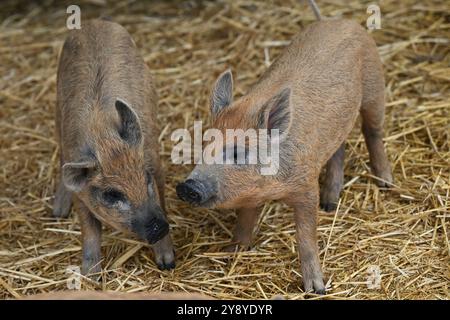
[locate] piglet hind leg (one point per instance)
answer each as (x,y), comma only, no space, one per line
(372,127)
(91,232)
(305,214)
(334,180)
(372,114)
(243,230)
(164,253)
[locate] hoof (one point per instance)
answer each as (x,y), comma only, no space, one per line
(166,266)
(90,269)
(166,261)
(328,206)
(322,292)
(383,184)
(314,285)
(236,247)
(385,179)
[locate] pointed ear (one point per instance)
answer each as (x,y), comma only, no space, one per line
(130,129)
(222,94)
(276,112)
(76,174)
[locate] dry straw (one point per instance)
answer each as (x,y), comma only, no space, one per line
(404,231)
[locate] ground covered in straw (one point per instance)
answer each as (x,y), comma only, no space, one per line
(404,232)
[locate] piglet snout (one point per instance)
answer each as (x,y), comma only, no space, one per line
(194,191)
(156,229)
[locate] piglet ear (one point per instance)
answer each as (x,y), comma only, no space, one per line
(130,129)
(222,94)
(276,112)
(76,174)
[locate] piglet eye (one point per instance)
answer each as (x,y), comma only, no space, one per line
(113,196)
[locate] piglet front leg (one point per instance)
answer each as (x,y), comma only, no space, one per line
(91,232)
(305,213)
(63,197)
(164,253)
(243,230)
(163,249)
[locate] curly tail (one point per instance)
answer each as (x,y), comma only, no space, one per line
(315,8)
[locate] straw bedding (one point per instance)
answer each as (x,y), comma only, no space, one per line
(403,231)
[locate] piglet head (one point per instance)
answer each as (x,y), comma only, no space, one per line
(111,177)
(244,130)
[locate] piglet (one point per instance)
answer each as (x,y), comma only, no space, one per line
(108,135)
(311,96)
